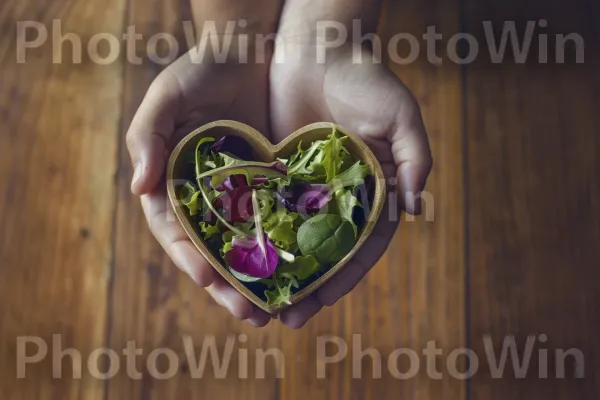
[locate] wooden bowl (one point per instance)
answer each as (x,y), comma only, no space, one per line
(265,151)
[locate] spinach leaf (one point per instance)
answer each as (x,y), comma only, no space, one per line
(327,237)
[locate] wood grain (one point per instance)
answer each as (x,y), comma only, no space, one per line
(533,207)
(424,267)
(57,149)
(512,248)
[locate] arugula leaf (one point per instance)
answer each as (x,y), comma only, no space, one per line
(249,169)
(201,153)
(298,163)
(229,161)
(332,160)
(317,168)
(302,268)
(345,202)
(280,294)
(347,160)
(352,177)
(327,237)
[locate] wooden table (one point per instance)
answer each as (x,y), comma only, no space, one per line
(512,248)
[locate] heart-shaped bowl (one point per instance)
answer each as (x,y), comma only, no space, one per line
(265,151)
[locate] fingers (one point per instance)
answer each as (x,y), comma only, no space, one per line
(149,132)
(410,147)
(296,316)
(346,279)
(174,240)
(228,297)
(171,236)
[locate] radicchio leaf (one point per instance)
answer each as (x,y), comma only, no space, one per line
(236,204)
(305,198)
(233,145)
(246,257)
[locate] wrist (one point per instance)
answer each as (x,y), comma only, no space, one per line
(323,31)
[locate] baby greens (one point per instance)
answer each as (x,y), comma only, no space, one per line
(276,226)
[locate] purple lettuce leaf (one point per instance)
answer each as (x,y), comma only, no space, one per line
(248,257)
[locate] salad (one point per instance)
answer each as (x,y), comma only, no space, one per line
(276,226)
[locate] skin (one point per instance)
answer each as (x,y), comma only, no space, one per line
(277,98)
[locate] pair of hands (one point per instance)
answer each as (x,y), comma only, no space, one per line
(277,99)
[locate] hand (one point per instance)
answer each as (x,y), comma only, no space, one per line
(182,98)
(366,99)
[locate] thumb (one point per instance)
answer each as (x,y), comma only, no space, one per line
(148,135)
(412,155)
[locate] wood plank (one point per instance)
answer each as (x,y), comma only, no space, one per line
(57,161)
(533,208)
(425,263)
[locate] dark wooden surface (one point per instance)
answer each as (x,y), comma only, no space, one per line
(512,248)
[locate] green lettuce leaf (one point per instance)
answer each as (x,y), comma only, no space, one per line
(188,196)
(227,237)
(302,268)
(208,230)
(345,202)
(279,226)
(266,201)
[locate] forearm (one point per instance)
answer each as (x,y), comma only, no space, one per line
(261,16)
(304,21)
